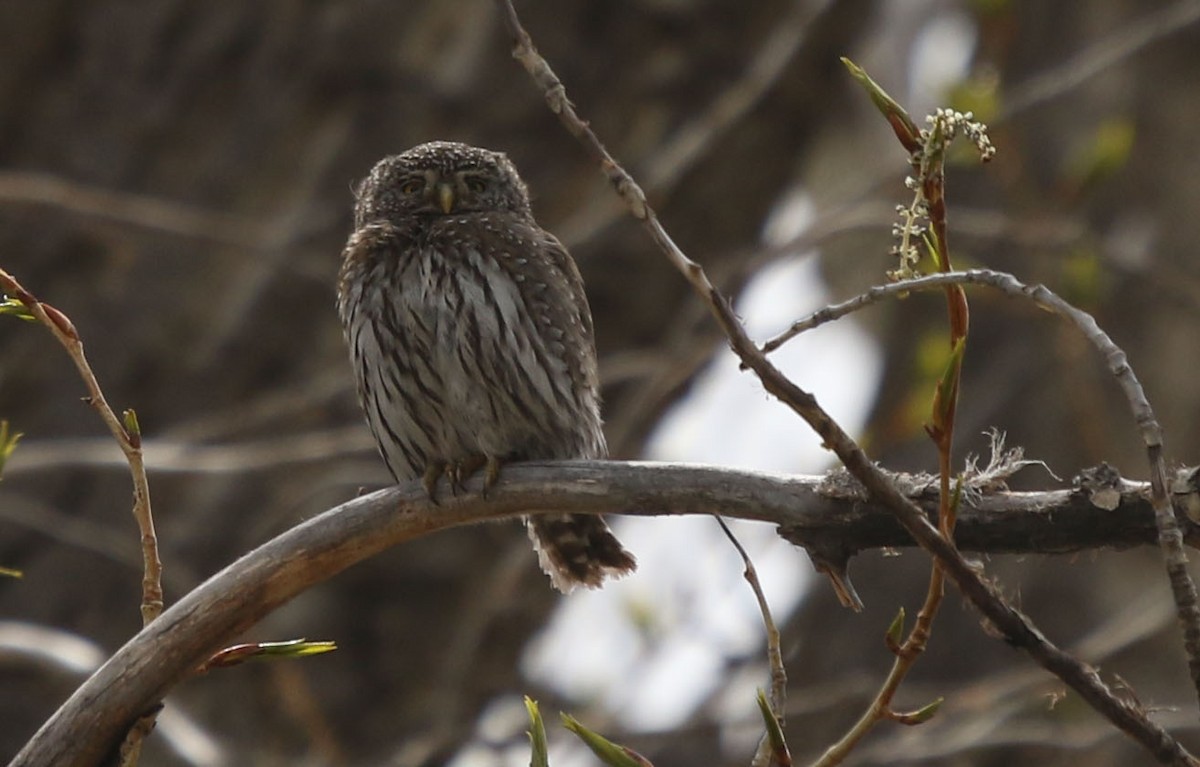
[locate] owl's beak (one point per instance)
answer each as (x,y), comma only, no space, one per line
(445,196)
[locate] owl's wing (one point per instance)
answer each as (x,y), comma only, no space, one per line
(557,253)
(564,301)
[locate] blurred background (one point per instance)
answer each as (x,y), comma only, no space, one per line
(176,175)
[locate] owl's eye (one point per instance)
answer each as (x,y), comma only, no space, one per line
(412,186)
(475,184)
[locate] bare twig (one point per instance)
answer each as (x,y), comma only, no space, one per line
(135,210)
(1100,56)
(128,437)
(679,152)
(1170,536)
(906,652)
(772,55)
(774,654)
(1015,626)
(191,457)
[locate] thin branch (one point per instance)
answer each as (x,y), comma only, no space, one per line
(927,152)
(993,711)
(1103,54)
(141,211)
(169,650)
(679,152)
(193,457)
(778,697)
(1170,536)
(128,435)
(128,438)
(1015,626)
(772,56)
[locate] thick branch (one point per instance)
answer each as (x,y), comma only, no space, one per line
(809,510)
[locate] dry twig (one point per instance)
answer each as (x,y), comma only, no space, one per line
(128,435)
(124,431)
(778,697)
(1015,626)
(1170,535)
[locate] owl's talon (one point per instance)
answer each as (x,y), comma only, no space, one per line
(467,468)
(458,472)
(429,480)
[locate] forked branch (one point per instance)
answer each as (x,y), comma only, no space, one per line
(1015,626)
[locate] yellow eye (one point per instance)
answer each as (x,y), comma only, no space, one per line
(475,184)
(412,186)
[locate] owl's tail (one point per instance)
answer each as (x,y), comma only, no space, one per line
(578,550)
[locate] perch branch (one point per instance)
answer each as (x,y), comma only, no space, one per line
(172,647)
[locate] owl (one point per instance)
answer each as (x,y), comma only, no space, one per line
(471,338)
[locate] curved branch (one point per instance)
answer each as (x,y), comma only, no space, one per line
(1170,533)
(1009,621)
(807,509)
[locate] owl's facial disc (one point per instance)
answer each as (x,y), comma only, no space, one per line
(452,192)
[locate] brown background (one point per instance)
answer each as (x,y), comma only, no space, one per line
(205,301)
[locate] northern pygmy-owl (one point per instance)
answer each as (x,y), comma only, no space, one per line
(471,337)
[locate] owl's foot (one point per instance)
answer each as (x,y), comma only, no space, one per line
(458,472)
(433,472)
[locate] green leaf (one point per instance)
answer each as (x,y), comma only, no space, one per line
(15,308)
(779,748)
(291,648)
(297,648)
(131,423)
(537,735)
(903,126)
(921,715)
(934,255)
(946,396)
(610,753)
(8,443)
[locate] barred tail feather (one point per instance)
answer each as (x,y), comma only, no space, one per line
(578,550)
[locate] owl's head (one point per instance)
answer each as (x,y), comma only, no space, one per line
(441,178)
